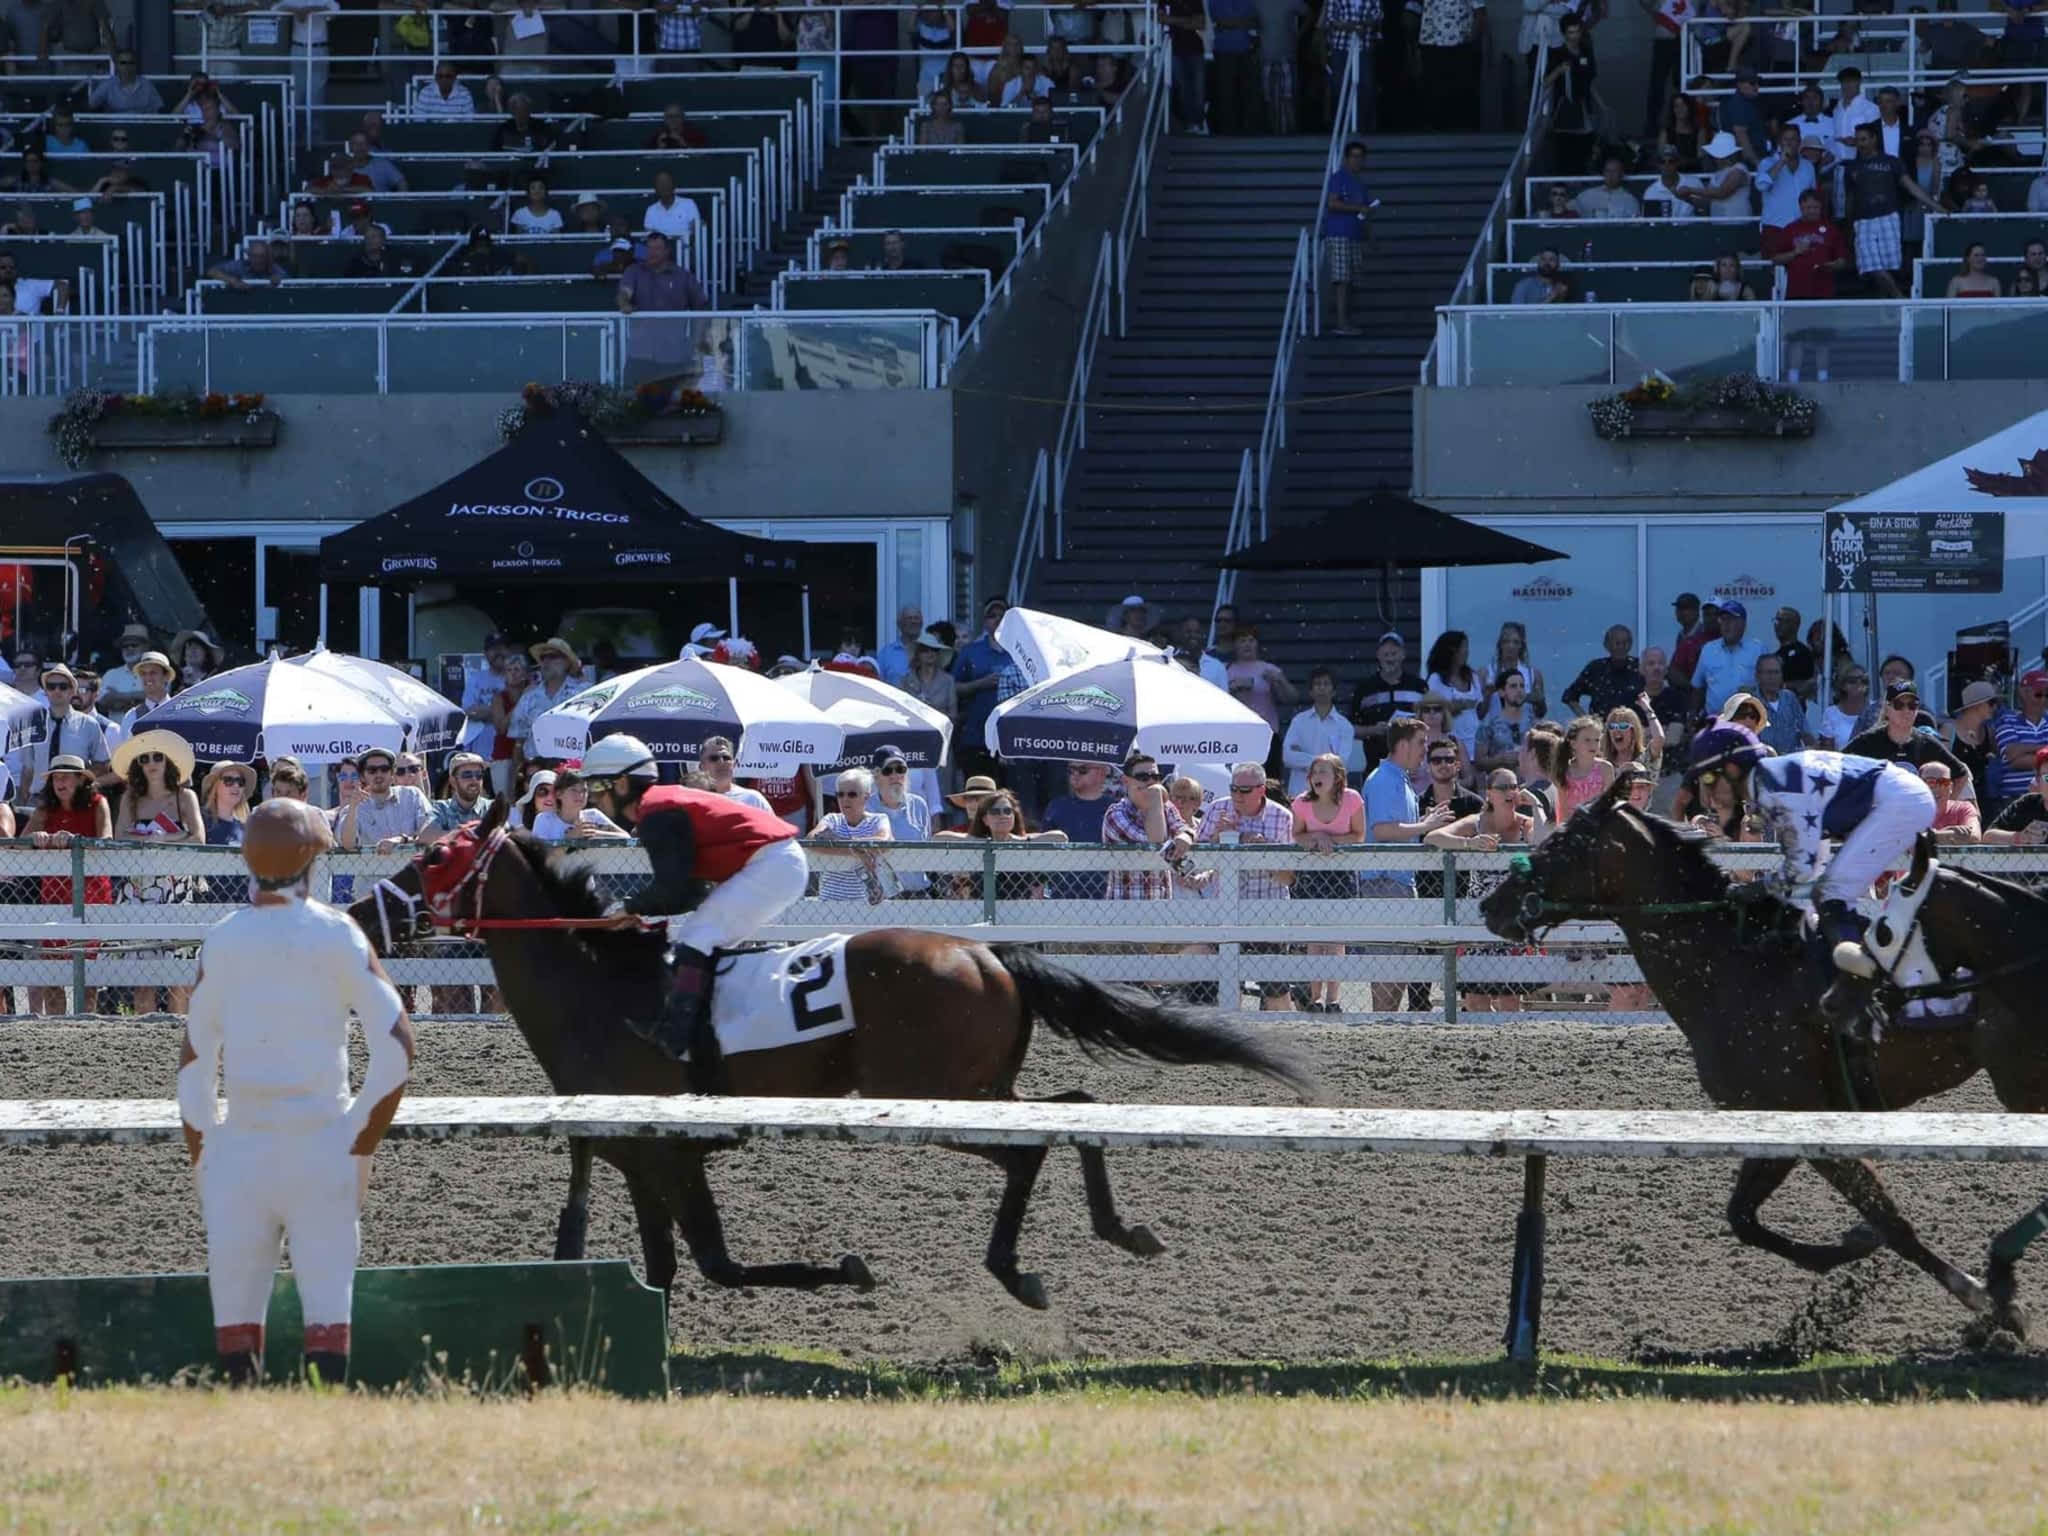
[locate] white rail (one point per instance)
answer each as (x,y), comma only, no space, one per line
(1535,1136)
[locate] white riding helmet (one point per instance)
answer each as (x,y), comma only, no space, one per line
(620,754)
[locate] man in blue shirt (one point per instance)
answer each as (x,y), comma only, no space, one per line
(1393,814)
(1347,215)
(1728,665)
(1233,31)
(980,664)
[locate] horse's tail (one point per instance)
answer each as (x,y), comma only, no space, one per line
(1123,1021)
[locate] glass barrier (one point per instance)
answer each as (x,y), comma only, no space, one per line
(265,359)
(2003,342)
(785,351)
(1842,341)
(1685,344)
(425,357)
(1541,344)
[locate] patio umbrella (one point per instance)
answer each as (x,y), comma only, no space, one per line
(1380,531)
(675,706)
(1046,646)
(1149,704)
(434,721)
(278,709)
(873,715)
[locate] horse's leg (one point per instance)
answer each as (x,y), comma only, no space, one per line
(696,1212)
(2002,1278)
(1857,1182)
(1757,1182)
(657,1230)
(575,1218)
(1020,1167)
(1102,1212)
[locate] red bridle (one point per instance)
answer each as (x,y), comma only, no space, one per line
(451,870)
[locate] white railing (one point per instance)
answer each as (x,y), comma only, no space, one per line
(1031,537)
(1237,534)
(1888,49)
(1134,222)
(1899,340)
(1227,939)
(1343,128)
(1295,321)
(425,354)
(1490,245)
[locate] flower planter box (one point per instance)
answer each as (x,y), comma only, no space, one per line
(125,431)
(693,431)
(1657,421)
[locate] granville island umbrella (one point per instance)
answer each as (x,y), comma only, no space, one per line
(873,715)
(1149,704)
(1046,646)
(434,722)
(674,707)
(279,709)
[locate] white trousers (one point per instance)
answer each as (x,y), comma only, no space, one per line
(1900,810)
(738,908)
(256,1187)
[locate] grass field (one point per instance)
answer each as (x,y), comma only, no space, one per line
(812,1445)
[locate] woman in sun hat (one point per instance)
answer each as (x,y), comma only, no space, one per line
(158,805)
(969,799)
(196,655)
(224,797)
(538,797)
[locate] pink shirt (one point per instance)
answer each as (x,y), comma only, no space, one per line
(1350,808)
(1259,697)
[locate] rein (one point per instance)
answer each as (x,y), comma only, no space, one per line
(1539,911)
(435,906)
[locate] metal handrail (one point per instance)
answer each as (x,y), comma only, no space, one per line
(1886,28)
(1236,536)
(1343,125)
(1135,221)
(1487,246)
(1294,324)
(1031,537)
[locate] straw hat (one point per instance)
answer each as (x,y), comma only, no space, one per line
(153,659)
(559,647)
(1737,701)
(215,652)
(974,791)
(65,762)
(213,777)
(931,642)
(170,743)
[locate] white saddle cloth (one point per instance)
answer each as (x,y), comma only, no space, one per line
(766,999)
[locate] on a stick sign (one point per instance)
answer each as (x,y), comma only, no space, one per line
(1914,552)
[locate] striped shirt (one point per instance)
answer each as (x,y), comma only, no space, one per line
(1274,823)
(432,104)
(2010,728)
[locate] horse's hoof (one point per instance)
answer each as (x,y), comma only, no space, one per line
(1030,1290)
(2012,1320)
(1862,1240)
(1144,1242)
(854,1270)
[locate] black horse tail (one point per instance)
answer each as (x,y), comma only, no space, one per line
(1110,1021)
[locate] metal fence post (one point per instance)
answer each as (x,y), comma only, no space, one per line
(78,916)
(988,882)
(1450,950)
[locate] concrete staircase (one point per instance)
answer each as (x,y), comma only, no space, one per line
(844,165)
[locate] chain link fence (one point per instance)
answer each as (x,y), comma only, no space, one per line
(1376,931)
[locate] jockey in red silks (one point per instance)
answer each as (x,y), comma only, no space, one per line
(691,833)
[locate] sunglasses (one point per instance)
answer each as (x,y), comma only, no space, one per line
(469,776)
(150,757)
(376,768)
(1246,789)
(1619,727)
(409,771)
(56,687)
(235,783)
(1904,706)
(899,771)
(1142,778)
(1448,761)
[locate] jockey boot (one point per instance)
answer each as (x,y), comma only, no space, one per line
(1841,932)
(684,1007)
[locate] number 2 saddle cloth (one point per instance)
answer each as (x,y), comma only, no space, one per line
(764,999)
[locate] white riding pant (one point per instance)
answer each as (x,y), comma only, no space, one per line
(774,878)
(1901,808)
(257,1186)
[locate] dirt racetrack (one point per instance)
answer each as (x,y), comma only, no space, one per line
(1292,1256)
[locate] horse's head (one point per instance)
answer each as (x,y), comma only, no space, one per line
(444,885)
(1603,861)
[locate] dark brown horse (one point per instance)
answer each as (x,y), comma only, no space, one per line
(1749,1004)
(936,1017)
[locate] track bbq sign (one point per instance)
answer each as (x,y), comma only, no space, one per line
(1914,552)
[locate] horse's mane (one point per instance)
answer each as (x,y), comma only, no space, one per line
(566,883)
(1679,837)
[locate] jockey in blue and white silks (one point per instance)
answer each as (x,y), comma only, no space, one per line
(1875,809)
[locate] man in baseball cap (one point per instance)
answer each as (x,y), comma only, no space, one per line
(290,1158)
(119,686)
(2017,734)
(1727,665)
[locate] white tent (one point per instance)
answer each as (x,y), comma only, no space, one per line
(2006,472)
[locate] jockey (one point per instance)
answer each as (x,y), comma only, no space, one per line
(1875,808)
(692,832)
(277,981)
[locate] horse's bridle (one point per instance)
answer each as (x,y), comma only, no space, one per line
(462,868)
(1539,914)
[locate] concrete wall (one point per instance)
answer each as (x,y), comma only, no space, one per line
(1009,389)
(1509,450)
(814,453)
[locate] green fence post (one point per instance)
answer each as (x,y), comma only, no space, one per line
(988,882)
(1450,950)
(78,915)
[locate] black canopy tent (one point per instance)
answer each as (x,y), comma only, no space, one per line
(557,503)
(1380,531)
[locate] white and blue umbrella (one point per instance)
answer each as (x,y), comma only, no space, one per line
(24,719)
(1143,703)
(279,709)
(873,715)
(1046,646)
(435,722)
(676,706)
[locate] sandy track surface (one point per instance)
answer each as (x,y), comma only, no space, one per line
(1275,1257)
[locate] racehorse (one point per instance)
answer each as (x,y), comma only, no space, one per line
(935,1017)
(1747,998)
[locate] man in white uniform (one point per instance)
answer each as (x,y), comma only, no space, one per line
(291,1156)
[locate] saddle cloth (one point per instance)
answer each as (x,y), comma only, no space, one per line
(765,999)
